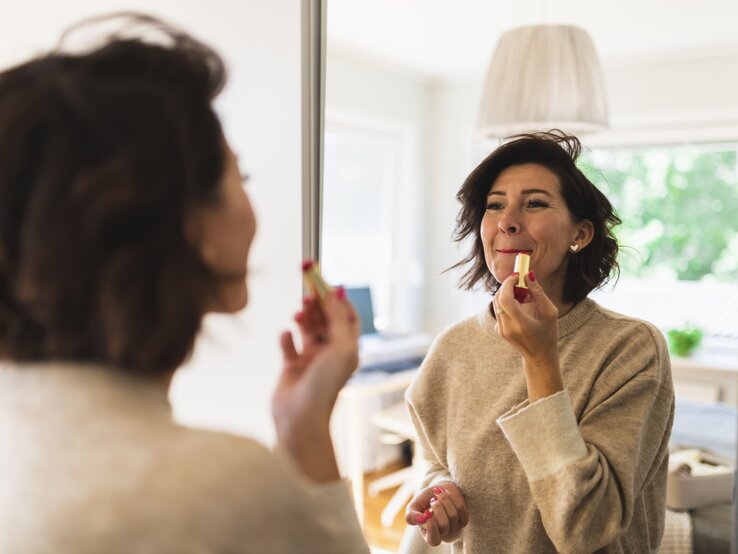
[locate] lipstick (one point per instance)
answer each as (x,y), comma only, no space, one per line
(522,267)
(314,280)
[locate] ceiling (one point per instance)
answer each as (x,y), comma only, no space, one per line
(454,38)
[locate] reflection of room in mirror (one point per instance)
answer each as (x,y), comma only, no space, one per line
(668,163)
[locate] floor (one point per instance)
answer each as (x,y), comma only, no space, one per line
(382,538)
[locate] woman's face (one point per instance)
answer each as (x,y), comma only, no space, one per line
(224,233)
(527,213)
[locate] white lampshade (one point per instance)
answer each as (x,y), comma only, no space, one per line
(543,77)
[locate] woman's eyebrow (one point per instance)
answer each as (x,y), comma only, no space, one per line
(534,191)
(526,191)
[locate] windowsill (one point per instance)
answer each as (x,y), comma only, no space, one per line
(708,359)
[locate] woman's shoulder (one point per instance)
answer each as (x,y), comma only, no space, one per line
(455,339)
(629,326)
(249,480)
(468,329)
(450,347)
(238,470)
(624,337)
(227,453)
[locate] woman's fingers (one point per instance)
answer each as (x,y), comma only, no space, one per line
(418,505)
(447,524)
(453,492)
(289,352)
(505,296)
(460,505)
(441,517)
(292,366)
(452,515)
(538,296)
(432,534)
(449,514)
(311,322)
(341,316)
(333,318)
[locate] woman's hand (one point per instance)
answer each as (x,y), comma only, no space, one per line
(532,328)
(312,378)
(440,512)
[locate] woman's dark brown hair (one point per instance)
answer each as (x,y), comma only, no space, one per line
(102,154)
(558,152)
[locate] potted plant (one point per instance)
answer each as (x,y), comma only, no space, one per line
(684,340)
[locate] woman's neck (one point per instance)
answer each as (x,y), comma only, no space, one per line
(165,380)
(554,289)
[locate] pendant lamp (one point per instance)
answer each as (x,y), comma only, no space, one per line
(543,77)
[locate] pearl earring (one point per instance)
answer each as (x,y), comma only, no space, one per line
(574,247)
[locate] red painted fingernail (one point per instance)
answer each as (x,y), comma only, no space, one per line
(428,514)
(420,518)
(341,293)
(520,294)
(437,490)
(532,276)
(299,316)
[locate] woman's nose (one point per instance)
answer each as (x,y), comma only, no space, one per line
(509,224)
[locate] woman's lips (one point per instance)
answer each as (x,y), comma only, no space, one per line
(511,251)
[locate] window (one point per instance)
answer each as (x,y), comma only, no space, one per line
(679,261)
(369,222)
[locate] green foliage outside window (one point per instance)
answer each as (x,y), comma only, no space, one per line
(679,207)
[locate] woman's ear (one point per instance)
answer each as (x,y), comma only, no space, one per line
(194,234)
(585,234)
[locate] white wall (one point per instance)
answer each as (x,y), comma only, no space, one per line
(229,381)
(682,85)
(358,85)
(453,154)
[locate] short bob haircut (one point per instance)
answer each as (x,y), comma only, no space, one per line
(102,154)
(590,268)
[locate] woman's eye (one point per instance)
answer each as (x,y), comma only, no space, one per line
(536,203)
(495,206)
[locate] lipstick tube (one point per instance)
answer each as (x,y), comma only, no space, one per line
(522,267)
(314,280)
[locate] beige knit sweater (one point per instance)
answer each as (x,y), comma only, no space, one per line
(91,462)
(582,470)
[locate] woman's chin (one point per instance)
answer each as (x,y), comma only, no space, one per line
(230,301)
(240,302)
(500,275)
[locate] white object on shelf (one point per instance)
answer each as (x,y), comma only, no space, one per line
(697,390)
(697,479)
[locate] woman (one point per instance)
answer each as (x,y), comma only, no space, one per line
(122,222)
(546,422)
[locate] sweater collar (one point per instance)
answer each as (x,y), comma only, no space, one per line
(573,320)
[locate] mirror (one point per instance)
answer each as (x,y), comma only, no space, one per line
(403,89)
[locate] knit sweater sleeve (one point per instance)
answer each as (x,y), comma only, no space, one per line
(585,475)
